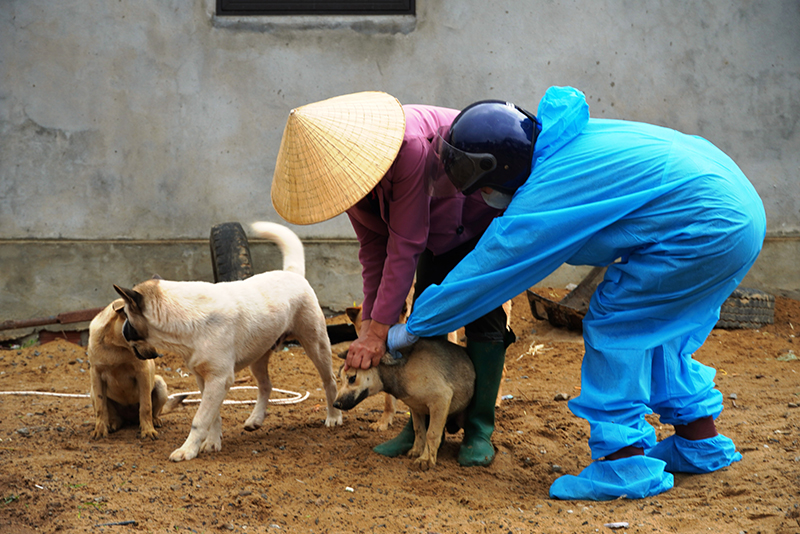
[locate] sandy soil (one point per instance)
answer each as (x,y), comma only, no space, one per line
(295,475)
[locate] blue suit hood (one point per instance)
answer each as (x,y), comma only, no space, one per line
(563,113)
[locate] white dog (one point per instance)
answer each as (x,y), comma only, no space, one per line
(221,328)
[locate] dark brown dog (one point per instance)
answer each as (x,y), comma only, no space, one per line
(434,377)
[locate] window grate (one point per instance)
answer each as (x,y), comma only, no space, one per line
(314,7)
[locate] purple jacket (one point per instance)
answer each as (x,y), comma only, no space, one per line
(398,220)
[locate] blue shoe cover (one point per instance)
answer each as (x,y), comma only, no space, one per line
(700,456)
(636,477)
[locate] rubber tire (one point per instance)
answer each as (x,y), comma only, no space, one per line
(747,308)
(230,253)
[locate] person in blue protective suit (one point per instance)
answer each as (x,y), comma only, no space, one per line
(677,223)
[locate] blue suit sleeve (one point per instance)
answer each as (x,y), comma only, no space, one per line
(515,252)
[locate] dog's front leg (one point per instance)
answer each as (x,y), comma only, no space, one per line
(144,382)
(387,417)
(207,423)
(433,437)
(100,400)
(418,419)
(213,441)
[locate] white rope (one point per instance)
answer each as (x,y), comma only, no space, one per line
(294,399)
(43,393)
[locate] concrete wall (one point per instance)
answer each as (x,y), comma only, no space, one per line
(128,129)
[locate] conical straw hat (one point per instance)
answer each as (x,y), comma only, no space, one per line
(333,153)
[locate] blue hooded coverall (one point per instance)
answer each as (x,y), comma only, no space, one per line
(685,225)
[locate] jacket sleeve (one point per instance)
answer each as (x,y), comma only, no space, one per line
(372,256)
(408,215)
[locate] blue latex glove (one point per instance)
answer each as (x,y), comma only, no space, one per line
(399,338)
(636,477)
(695,456)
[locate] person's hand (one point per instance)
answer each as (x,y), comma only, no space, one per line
(369,348)
(399,338)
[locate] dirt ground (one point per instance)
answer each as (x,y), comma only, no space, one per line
(295,475)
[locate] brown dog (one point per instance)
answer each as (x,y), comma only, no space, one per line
(389,402)
(124,387)
(434,377)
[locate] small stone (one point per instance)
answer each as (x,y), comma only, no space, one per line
(561,397)
(556,468)
(733,396)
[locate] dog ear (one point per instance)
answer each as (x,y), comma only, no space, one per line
(133,298)
(118,306)
(352,313)
(156,277)
(389,360)
(342,355)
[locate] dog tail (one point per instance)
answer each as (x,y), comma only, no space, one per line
(290,245)
(173,402)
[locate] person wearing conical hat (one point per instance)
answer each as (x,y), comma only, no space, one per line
(369,156)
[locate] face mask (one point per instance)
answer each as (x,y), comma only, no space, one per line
(496,199)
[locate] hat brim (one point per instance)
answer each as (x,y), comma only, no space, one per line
(333,153)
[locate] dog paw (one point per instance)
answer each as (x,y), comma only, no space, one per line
(379,426)
(415,452)
(211,445)
(253,423)
(334,418)
(100,431)
(182,454)
(157,422)
(423,464)
(148,433)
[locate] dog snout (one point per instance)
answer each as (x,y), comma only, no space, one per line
(350,399)
(145,353)
(129,332)
(344,402)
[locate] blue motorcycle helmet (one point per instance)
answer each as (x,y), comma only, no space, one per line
(489,144)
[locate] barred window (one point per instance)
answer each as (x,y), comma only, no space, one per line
(314,7)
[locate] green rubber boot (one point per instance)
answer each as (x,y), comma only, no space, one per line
(400,444)
(488,359)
